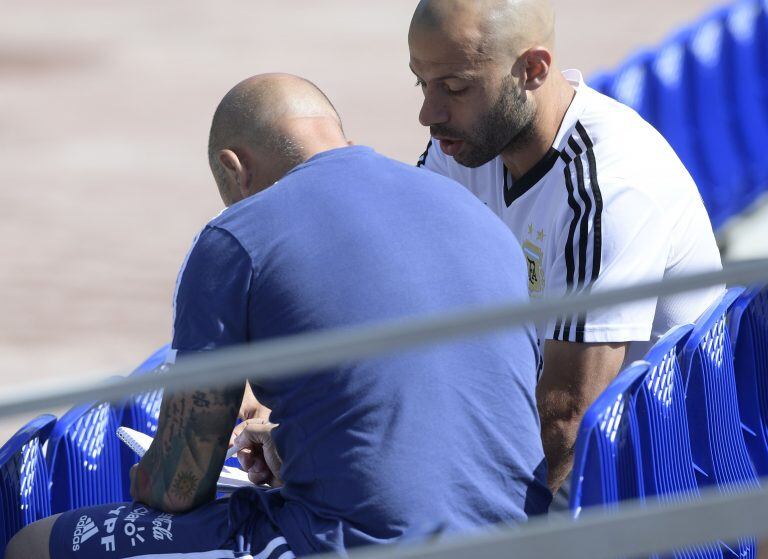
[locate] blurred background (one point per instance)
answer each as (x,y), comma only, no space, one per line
(104,116)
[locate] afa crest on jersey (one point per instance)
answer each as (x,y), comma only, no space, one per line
(534,257)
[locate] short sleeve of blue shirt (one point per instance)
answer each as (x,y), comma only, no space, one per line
(211,304)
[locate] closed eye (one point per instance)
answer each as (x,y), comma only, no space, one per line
(456,92)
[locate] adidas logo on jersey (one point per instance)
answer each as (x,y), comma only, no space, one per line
(84,530)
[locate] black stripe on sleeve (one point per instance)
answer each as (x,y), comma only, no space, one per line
(583,233)
(583,156)
(570,265)
(597,224)
(584,223)
(597,237)
(558,325)
(423,159)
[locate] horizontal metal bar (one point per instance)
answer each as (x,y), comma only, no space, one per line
(304,353)
(634,530)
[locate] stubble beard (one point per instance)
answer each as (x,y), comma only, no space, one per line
(508,124)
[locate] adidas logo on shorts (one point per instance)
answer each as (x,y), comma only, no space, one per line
(84,530)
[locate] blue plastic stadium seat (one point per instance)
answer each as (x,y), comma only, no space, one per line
(634,440)
(158,358)
(671,114)
(84,459)
(141,412)
(762,45)
(714,130)
(718,446)
(761,41)
(748,324)
(601,82)
(745,94)
(605,469)
(24,496)
(630,85)
(668,471)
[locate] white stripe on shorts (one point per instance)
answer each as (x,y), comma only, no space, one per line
(222,553)
(214,554)
(271,546)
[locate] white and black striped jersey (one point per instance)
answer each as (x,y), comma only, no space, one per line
(609,205)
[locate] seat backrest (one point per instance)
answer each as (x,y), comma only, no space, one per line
(24,496)
(84,458)
(605,469)
(668,472)
(671,114)
(713,122)
(630,84)
(663,431)
(157,359)
(748,325)
(601,82)
(633,442)
(762,45)
(718,446)
(745,94)
(141,411)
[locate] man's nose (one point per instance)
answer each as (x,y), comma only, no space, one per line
(432,113)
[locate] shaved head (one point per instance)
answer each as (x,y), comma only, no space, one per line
(278,116)
(492,28)
(484,67)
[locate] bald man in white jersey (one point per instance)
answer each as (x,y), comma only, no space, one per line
(595,195)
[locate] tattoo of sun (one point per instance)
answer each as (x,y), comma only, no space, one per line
(184,485)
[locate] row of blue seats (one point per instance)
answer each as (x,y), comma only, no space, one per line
(693,414)
(634,443)
(706,90)
(52,466)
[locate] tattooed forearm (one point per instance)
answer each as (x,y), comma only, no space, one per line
(200,399)
(173,413)
(184,463)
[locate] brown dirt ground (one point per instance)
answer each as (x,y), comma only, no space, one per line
(104,112)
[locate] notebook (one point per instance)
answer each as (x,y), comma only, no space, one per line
(229,479)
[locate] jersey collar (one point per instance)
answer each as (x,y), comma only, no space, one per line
(576,109)
(514,189)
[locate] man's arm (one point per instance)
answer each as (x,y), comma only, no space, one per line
(180,469)
(574,376)
(211,305)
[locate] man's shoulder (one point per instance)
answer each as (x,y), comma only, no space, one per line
(238,228)
(619,150)
(623,139)
(233,218)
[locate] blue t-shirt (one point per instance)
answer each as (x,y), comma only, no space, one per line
(443,439)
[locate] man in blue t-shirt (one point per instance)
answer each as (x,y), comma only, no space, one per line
(318,235)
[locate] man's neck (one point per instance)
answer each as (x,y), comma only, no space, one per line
(316,135)
(520,159)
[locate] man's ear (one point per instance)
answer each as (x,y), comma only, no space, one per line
(537,63)
(237,171)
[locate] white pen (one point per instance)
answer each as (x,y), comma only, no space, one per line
(234,449)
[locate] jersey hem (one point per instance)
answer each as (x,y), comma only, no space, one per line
(609,334)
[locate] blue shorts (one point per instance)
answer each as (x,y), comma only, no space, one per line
(133,530)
